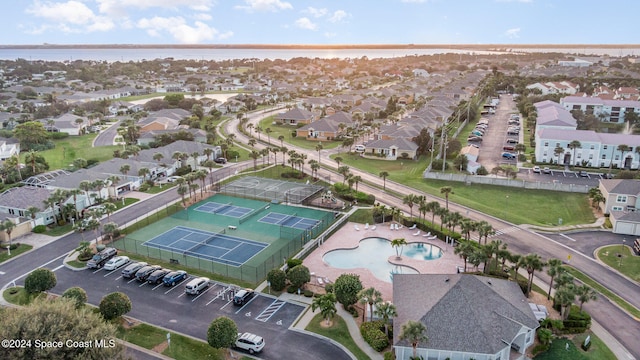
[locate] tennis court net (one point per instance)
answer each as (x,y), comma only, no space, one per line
(222,208)
(192,250)
(287,219)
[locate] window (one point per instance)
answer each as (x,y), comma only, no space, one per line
(617,157)
(604,147)
(590,156)
(579,156)
(604,157)
(592,147)
(557,144)
(616,208)
(621,198)
(546,143)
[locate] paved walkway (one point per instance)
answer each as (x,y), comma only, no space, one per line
(308,315)
(598,224)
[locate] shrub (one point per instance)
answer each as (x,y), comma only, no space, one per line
(374,336)
(328,288)
(389,355)
(298,276)
(40,280)
(77,294)
(144,187)
(292,290)
(277,278)
(292,262)
(308,293)
(114,305)
(232,154)
(39,229)
(577,322)
(346,288)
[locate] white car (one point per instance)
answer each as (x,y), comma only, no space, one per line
(249,342)
(536,169)
(116,262)
(173,178)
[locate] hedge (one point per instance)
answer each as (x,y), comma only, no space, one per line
(372,333)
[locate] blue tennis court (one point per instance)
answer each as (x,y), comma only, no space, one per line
(217,247)
(223,209)
(292,221)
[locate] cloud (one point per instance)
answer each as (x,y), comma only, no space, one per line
(305,23)
(202,16)
(315,12)
(337,16)
(263,5)
(179,29)
(512,33)
(122,7)
(70,16)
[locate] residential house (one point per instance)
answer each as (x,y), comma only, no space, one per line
(9,147)
(471,152)
(605,109)
(327,128)
(575,63)
(166,119)
(555,87)
(466,317)
(627,93)
(392,149)
(295,116)
(15,202)
(622,202)
(67,123)
(148,137)
(551,114)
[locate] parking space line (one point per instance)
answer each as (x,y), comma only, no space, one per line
(97,271)
(58,268)
(220,294)
(245,304)
(143,284)
(267,313)
(109,273)
(173,287)
(565,236)
(119,277)
(158,285)
(202,293)
(132,280)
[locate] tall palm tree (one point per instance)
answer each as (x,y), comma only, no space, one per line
(318,149)
(415,333)
(370,296)
(339,159)
(575,144)
(464,249)
(532,263)
(327,305)
(433,207)
(410,200)
(623,148)
(383,175)
(124,169)
(398,244)
(446,191)
(281,138)
(557,152)
(386,311)
(254,155)
(553,270)
(32,212)
(113,181)
(7,226)
(585,294)
(268,131)
(356,180)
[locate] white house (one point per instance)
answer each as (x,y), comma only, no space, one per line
(8,148)
(606,110)
(555,87)
(553,115)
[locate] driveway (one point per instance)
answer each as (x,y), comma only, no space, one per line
(491,147)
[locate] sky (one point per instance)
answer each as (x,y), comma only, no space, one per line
(319,22)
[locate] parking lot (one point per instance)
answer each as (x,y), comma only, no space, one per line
(561,176)
(172,308)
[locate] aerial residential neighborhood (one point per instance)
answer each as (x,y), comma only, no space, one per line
(449,206)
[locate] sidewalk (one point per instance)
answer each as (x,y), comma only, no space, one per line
(308,315)
(597,225)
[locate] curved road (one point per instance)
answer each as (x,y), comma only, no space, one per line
(520,240)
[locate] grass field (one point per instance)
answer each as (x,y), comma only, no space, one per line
(560,351)
(4,256)
(73,147)
(622,259)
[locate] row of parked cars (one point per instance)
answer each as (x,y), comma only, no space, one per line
(478,132)
(109,259)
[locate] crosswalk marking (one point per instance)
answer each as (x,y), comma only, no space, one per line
(498,232)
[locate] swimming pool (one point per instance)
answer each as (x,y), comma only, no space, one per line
(372,254)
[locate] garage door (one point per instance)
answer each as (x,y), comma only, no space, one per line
(626,228)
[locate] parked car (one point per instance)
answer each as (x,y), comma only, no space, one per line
(243,296)
(546,170)
(195,286)
(583,173)
(508,148)
(476,133)
(474,139)
(536,169)
(116,262)
(98,260)
(249,342)
(173,178)
(359,148)
(143,274)
(157,276)
(512,141)
(508,156)
(220,160)
(174,277)
(513,132)
(131,269)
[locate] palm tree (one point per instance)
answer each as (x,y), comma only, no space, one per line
(383,175)
(415,333)
(585,294)
(623,148)
(338,160)
(158,157)
(113,181)
(7,226)
(484,230)
(281,138)
(143,171)
(433,207)
(182,190)
(254,155)
(252,142)
(398,244)
(109,229)
(370,296)
(557,152)
(532,263)
(553,270)
(74,193)
(410,200)
(32,211)
(442,213)
(318,149)
(575,144)
(386,311)
(466,227)
(109,208)
(464,249)
(356,179)
(124,169)
(268,131)
(446,190)
(327,305)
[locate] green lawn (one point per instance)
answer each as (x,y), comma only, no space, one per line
(339,333)
(18,296)
(286,131)
(560,351)
(4,255)
(621,259)
(399,170)
(73,147)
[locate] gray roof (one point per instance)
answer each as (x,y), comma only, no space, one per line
(296,114)
(553,114)
(400,143)
(621,186)
(589,136)
(462,312)
(73,180)
(112,167)
(24,196)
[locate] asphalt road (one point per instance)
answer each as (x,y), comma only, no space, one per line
(619,324)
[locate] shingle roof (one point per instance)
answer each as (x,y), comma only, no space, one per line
(25,196)
(621,186)
(461,312)
(295,114)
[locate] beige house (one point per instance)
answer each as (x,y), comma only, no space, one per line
(622,202)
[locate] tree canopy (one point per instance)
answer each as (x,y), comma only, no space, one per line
(346,288)
(40,280)
(222,333)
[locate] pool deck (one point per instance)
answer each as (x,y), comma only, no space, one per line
(348,237)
